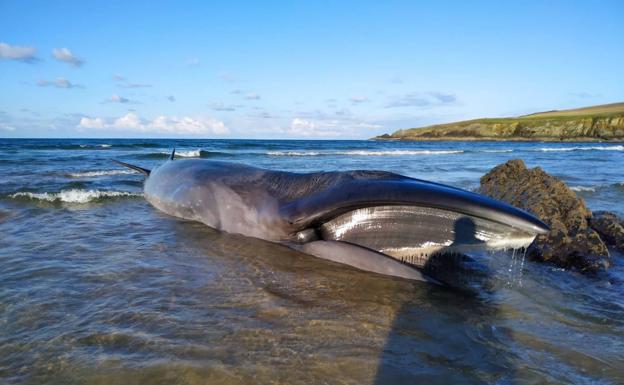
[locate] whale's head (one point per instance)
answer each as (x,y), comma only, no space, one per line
(411,219)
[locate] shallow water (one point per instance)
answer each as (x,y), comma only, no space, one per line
(98,287)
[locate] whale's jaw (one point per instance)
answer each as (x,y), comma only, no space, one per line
(412,234)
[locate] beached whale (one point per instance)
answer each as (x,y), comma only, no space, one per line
(373,220)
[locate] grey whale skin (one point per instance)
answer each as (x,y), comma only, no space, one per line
(372,220)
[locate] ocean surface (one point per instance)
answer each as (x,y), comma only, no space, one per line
(98,287)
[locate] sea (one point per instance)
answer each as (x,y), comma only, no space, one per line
(99,287)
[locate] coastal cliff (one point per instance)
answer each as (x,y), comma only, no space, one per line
(596,123)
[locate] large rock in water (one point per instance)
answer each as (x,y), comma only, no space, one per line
(571,241)
(610,227)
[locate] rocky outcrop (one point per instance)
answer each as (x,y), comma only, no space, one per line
(610,227)
(572,242)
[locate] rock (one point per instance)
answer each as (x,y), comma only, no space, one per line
(610,227)
(571,241)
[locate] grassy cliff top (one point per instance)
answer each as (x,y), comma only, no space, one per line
(592,111)
(537,125)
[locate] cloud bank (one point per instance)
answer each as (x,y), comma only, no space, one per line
(159,125)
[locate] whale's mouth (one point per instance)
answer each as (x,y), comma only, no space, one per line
(413,234)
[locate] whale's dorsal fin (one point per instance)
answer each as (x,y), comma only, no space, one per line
(136,168)
(172,154)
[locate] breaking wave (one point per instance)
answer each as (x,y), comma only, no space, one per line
(583,188)
(364,153)
(578,148)
(90,174)
(73,195)
(594,188)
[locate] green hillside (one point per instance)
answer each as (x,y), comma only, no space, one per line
(594,123)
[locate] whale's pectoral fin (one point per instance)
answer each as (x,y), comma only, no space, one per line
(363,258)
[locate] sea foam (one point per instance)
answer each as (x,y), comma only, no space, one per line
(74,195)
(90,174)
(187,154)
(583,188)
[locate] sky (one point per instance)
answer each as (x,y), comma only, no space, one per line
(295,69)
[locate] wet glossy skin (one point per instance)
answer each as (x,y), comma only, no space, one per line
(397,216)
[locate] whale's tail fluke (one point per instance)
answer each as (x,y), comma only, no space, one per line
(136,168)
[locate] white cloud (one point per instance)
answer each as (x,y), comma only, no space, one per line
(65,55)
(91,123)
(227,77)
(318,124)
(193,62)
(129,120)
(358,99)
(58,83)
(300,127)
(6,127)
(252,96)
(160,125)
(171,98)
(220,106)
(136,85)
(422,99)
(124,83)
(117,99)
(14,52)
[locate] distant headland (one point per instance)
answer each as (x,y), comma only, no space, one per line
(596,123)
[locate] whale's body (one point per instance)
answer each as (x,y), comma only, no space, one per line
(373,220)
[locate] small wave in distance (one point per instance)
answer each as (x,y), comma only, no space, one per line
(579,148)
(364,153)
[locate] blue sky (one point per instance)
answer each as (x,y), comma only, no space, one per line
(313,69)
